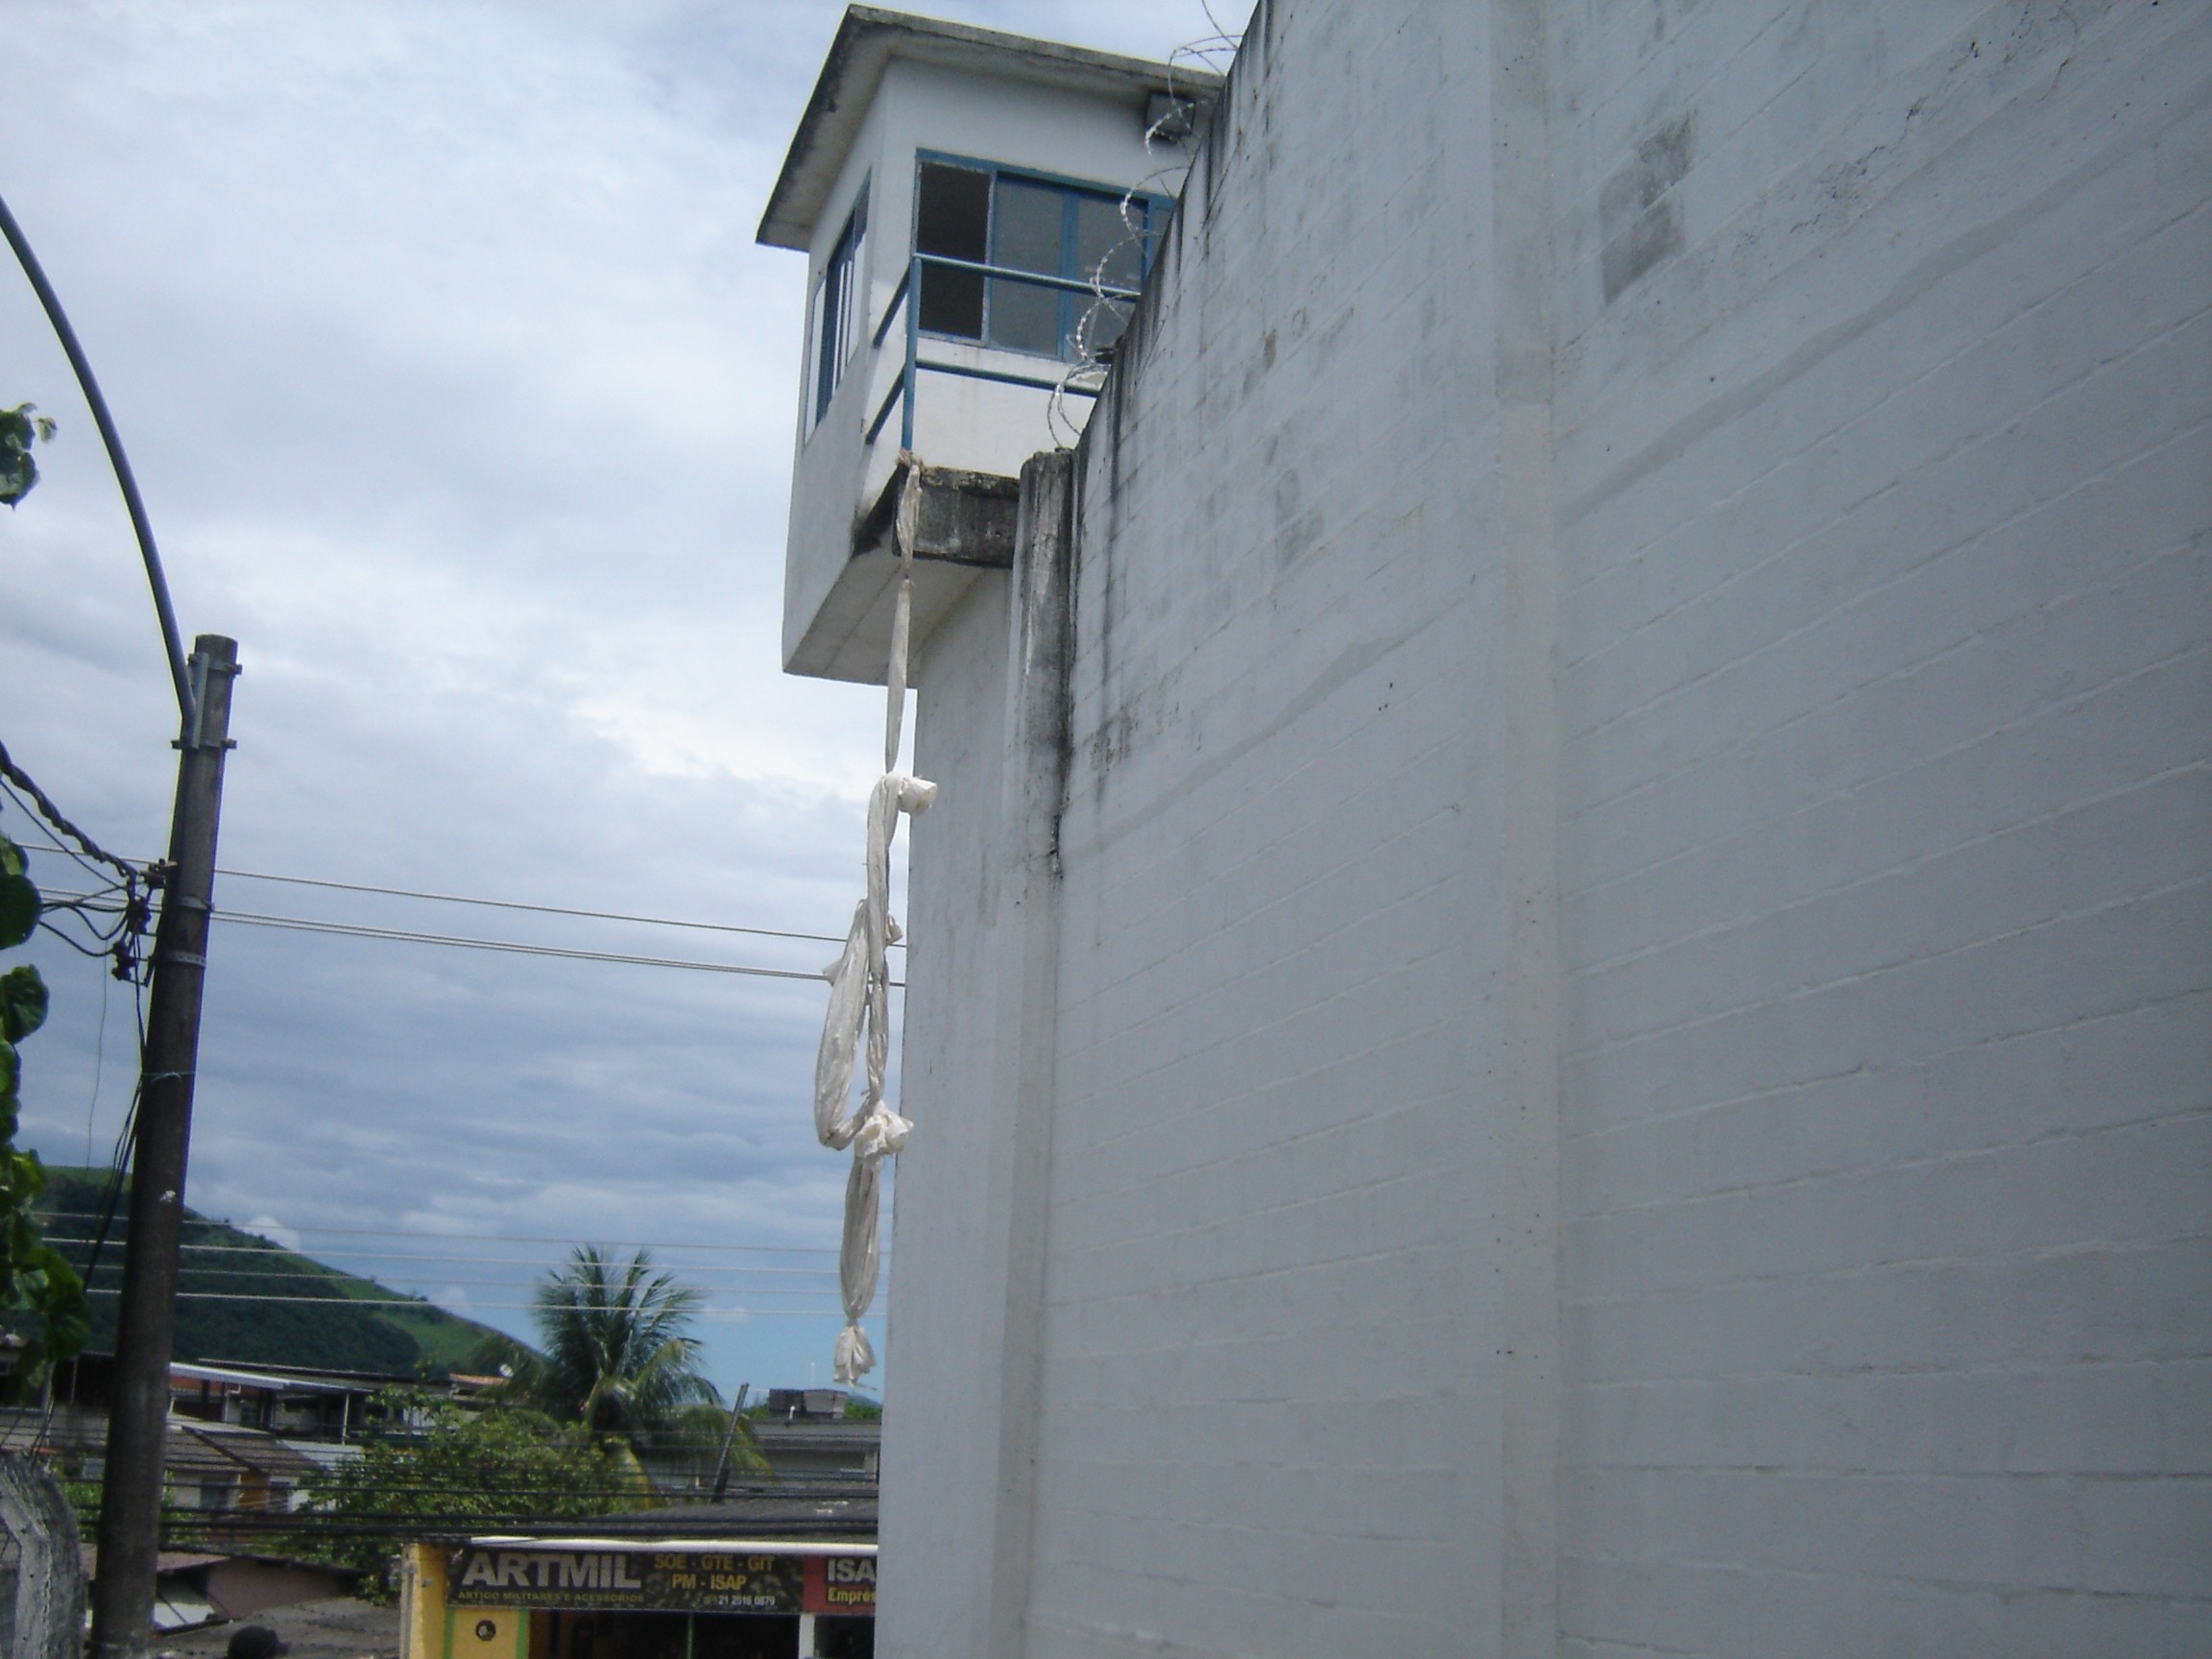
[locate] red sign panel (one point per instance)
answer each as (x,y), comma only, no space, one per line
(840,1585)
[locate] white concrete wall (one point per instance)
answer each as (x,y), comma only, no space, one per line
(1268,1415)
(1627,1014)
(1275,1407)
(949,1200)
(983,980)
(1883,624)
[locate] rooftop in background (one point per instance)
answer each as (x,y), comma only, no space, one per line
(805,1405)
(820,1516)
(284,1378)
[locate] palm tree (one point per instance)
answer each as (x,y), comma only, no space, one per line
(619,1355)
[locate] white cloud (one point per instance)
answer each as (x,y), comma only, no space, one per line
(270,1228)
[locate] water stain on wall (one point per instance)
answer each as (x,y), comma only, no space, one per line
(1639,215)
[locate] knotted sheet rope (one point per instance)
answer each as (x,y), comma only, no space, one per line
(861,989)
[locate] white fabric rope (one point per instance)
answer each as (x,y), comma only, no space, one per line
(860,988)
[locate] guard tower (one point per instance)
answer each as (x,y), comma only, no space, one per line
(979,211)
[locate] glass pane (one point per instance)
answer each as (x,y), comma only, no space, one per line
(951,302)
(1101,233)
(1025,229)
(952,212)
(1025,317)
(831,305)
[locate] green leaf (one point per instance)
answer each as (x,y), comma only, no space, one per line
(23,1003)
(19,909)
(18,431)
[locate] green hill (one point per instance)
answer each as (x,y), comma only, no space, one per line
(325,1332)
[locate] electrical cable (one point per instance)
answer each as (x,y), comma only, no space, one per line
(171,639)
(422,1306)
(99,1070)
(338,1293)
(537,909)
(464,1260)
(464,942)
(506,947)
(23,781)
(118,1165)
(520,1239)
(516,904)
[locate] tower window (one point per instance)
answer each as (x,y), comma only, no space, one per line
(833,321)
(953,218)
(1012,224)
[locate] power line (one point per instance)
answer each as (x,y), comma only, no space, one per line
(506,1237)
(504,947)
(467,1260)
(533,909)
(337,1293)
(421,1305)
(52,813)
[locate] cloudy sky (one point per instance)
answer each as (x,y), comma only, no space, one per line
(461,397)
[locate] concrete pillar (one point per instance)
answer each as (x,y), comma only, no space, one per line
(979,1080)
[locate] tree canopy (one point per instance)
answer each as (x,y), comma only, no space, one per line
(41,1298)
(619,1355)
(20,428)
(440,1467)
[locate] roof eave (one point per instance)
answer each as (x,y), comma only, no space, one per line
(868,36)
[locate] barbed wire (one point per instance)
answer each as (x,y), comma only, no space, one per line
(1093,357)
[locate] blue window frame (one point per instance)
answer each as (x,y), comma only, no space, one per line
(979,227)
(833,320)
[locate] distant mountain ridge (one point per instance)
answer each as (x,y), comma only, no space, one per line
(328,1332)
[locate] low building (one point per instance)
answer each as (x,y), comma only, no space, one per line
(294,1401)
(223,1466)
(809,1450)
(771,1576)
(192,1588)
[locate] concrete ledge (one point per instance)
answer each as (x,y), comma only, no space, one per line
(966,517)
(965,524)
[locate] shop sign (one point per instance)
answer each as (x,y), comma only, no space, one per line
(841,1584)
(662,1580)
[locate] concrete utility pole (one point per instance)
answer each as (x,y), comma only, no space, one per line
(146,1323)
(722,1466)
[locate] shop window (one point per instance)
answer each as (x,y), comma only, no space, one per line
(837,1638)
(1013,223)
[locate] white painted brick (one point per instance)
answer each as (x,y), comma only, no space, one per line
(1877,527)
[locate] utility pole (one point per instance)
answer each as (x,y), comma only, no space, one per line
(146,1322)
(722,1467)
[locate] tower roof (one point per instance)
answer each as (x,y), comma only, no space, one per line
(868,36)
